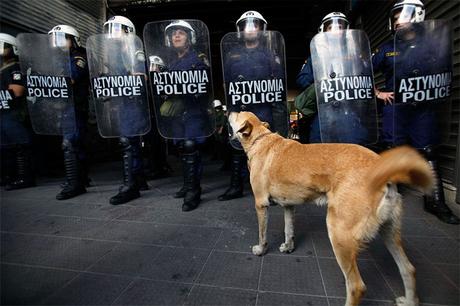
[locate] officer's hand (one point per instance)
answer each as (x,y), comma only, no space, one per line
(387,97)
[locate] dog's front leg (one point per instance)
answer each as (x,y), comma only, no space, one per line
(288,245)
(262,217)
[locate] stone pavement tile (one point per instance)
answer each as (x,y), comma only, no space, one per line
(198,217)
(453,231)
(49,251)
(22,285)
(323,246)
(90,210)
(158,234)
(420,227)
(127,259)
(56,225)
(27,206)
(9,221)
(228,269)
(275,299)
(451,271)
(147,292)
(243,240)
(432,285)
(176,264)
(43,192)
(364,302)
(412,203)
(291,274)
(204,295)
(90,289)
(438,250)
(377,289)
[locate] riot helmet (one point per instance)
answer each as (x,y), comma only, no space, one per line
(179,34)
(62,34)
(156,63)
(251,23)
(334,21)
(406,11)
(8,47)
(117,26)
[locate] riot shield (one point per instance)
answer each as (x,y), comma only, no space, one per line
(49,86)
(118,83)
(344,85)
(423,79)
(180,78)
(255,77)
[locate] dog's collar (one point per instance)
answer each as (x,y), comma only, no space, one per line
(258,138)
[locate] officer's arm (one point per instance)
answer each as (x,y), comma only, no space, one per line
(79,68)
(305,77)
(17,86)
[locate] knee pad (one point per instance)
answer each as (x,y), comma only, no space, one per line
(67,145)
(124,143)
(429,152)
(189,146)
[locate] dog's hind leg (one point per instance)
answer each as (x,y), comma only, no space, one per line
(262,217)
(392,237)
(346,252)
(288,245)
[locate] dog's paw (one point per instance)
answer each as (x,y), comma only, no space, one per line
(287,247)
(259,250)
(402,301)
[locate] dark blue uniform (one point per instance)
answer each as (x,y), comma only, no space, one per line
(194,121)
(247,64)
(80,90)
(12,108)
(405,123)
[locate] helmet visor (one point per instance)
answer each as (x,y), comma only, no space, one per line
(116,29)
(58,39)
(250,24)
(403,15)
(335,24)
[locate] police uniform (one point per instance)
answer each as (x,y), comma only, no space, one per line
(191,124)
(413,123)
(15,137)
(75,131)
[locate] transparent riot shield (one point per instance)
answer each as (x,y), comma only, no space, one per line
(49,86)
(344,86)
(423,80)
(254,71)
(180,77)
(118,82)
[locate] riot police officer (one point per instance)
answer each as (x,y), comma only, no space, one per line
(65,36)
(190,124)
(414,122)
(130,113)
(247,57)
(331,22)
(15,136)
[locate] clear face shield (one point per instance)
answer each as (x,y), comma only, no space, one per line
(178,38)
(335,24)
(402,16)
(6,52)
(59,40)
(156,64)
(116,30)
(251,27)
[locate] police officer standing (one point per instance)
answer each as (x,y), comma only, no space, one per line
(66,36)
(249,57)
(131,113)
(15,137)
(411,121)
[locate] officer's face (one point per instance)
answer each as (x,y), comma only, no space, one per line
(397,24)
(179,38)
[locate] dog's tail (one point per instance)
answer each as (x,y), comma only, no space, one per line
(400,165)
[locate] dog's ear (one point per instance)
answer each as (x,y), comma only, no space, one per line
(245,129)
(266,124)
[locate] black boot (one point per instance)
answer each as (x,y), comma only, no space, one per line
(129,190)
(192,174)
(436,203)
(75,185)
(236,181)
(141,182)
(181,192)
(24,177)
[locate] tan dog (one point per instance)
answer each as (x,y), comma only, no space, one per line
(357,184)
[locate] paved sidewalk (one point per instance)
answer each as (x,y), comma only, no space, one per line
(84,251)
